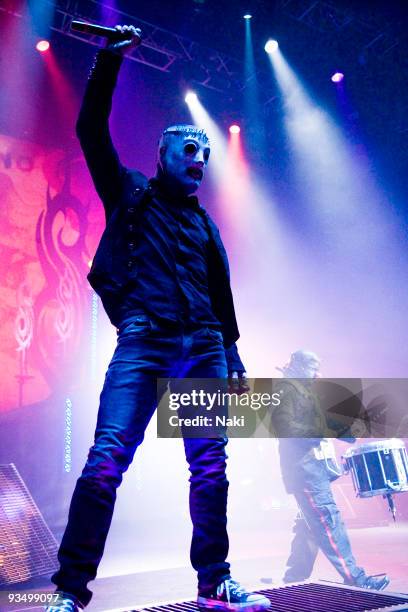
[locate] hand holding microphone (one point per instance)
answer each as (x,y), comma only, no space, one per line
(132,37)
(120,39)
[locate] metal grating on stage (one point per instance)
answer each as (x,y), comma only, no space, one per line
(27,547)
(310,597)
(320,597)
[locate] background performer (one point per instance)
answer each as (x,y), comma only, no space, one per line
(307,465)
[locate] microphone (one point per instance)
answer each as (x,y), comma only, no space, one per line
(110,33)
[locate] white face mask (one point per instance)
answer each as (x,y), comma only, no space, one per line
(184,160)
(312,370)
(304,365)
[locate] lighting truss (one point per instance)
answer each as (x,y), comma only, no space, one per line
(168,52)
(160,49)
(324,17)
(371,41)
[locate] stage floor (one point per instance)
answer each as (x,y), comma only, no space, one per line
(377,549)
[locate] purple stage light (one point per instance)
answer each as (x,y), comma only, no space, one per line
(337,77)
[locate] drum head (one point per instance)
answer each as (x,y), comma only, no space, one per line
(372,447)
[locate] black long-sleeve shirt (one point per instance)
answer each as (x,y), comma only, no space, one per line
(171,250)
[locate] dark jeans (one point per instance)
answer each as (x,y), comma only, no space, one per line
(319,526)
(128,400)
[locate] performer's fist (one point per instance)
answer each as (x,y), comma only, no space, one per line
(122,46)
(358,429)
(238,383)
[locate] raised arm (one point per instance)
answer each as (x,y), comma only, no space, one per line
(93,122)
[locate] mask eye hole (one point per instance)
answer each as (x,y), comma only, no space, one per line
(190,148)
(206,155)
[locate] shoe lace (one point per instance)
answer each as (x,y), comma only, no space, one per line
(230,587)
(66,605)
(376,580)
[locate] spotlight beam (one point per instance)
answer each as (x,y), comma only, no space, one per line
(191,97)
(337,77)
(271,46)
(218,141)
(42,46)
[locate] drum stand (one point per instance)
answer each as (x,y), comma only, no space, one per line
(391,505)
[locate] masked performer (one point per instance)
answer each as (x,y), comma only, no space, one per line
(162,274)
(308,467)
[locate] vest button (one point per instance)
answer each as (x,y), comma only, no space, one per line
(129,263)
(131,210)
(131,228)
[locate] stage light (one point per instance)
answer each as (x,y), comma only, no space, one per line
(42,46)
(247,16)
(191,97)
(234,129)
(271,45)
(337,77)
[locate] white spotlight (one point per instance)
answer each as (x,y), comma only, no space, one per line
(247,16)
(191,97)
(271,45)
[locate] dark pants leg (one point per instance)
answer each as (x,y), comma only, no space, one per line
(127,403)
(326,525)
(208,481)
(303,553)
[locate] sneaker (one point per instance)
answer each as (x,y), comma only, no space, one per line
(230,595)
(376,583)
(65,603)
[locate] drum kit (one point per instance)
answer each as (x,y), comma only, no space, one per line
(378,468)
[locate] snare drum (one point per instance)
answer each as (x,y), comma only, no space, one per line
(378,468)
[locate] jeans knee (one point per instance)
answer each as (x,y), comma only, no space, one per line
(202,452)
(105,466)
(209,475)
